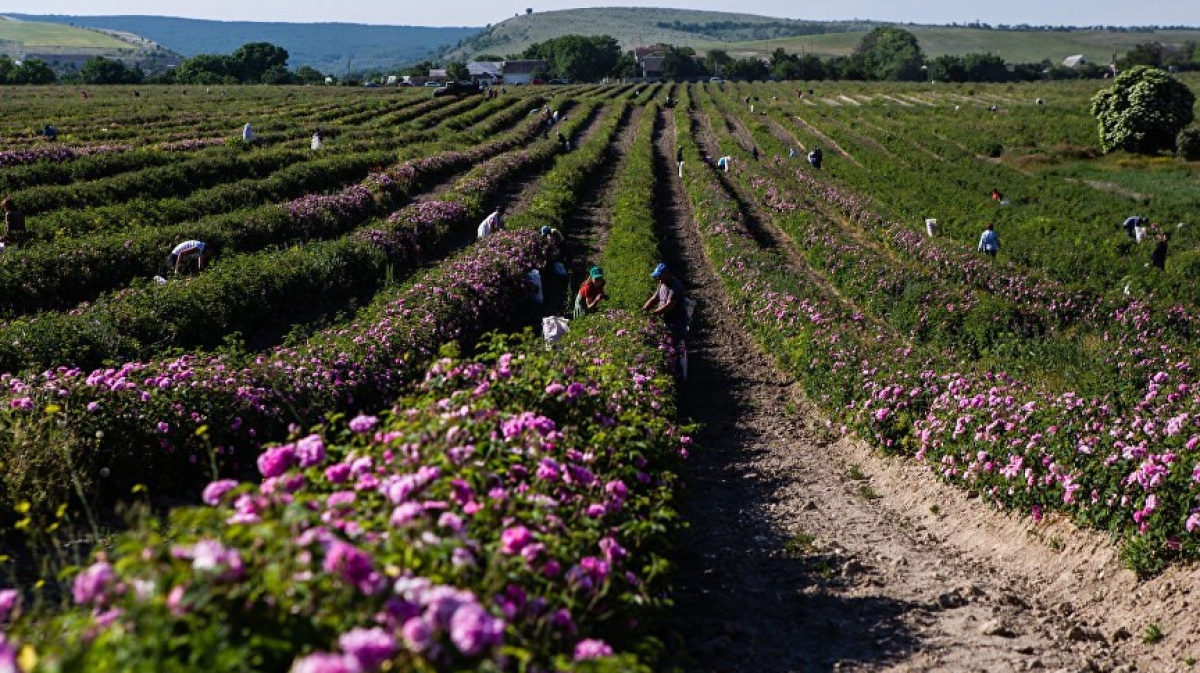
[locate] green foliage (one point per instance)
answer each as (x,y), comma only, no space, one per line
(579,58)
(891,54)
(1143,111)
(1187,144)
(457,71)
(100,70)
(31,71)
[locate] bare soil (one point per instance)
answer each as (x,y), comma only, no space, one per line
(806,551)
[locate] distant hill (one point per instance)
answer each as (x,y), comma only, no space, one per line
(752,35)
(67,47)
(639,26)
(328,47)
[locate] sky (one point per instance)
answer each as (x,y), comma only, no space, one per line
(482,12)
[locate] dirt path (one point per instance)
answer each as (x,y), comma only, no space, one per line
(791,562)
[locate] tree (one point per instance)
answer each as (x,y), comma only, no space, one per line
(578,58)
(206,69)
(100,70)
(33,71)
(891,54)
(252,60)
(680,62)
(1150,53)
(1143,111)
(717,60)
(749,69)
(458,71)
(306,74)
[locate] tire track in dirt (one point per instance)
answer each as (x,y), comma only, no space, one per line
(790,562)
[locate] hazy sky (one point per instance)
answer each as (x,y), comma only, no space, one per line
(480,12)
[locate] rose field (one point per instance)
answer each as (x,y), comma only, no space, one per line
(344,446)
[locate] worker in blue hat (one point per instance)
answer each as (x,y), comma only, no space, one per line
(668,301)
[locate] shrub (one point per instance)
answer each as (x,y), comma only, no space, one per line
(1143,111)
(1187,144)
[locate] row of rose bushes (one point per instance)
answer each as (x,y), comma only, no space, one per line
(916,168)
(289,182)
(250,293)
(148,414)
(189,175)
(511,513)
(46,277)
(1125,461)
(203,170)
(632,247)
(1028,325)
(159,422)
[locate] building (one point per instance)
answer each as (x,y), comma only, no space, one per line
(651,61)
(486,72)
(1075,61)
(524,71)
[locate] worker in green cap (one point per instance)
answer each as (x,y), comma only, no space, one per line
(590,293)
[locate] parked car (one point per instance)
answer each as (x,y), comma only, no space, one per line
(433,84)
(559,81)
(716,80)
(455,89)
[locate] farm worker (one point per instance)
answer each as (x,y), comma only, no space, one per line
(84,94)
(316,141)
(1159,257)
(553,236)
(49,132)
(668,301)
(1132,223)
(187,251)
(14,222)
(815,158)
(791,152)
(247,133)
(679,160)
(996,195)
(989,241)
(590,292)
(491,223)
(754,152)
(562,140)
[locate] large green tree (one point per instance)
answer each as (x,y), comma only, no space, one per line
(890,54)
(100,70)
(253,60)
(579,58)
(1143,111)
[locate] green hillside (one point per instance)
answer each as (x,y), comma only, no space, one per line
(632,26)
(1012,46)
(741,34)
(35,35)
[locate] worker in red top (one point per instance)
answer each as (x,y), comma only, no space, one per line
(590,293)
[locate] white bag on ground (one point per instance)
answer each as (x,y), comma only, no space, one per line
(931,227)
(554,328)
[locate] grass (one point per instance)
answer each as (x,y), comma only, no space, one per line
(801,545)
(1153,634)
(33,34)
(1012,46)
(638,27)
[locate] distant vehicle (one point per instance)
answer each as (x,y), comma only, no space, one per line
(433,84)
(559,81)
(537,81)
(456,89)
(716,80)
(372,85)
